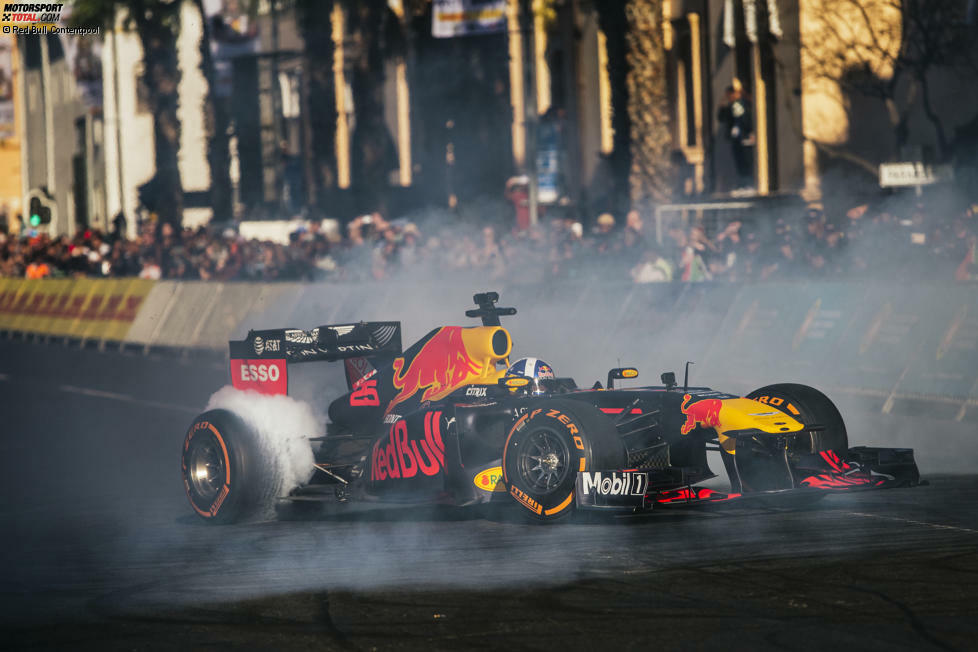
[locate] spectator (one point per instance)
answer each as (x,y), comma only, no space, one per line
(692,261)
(738,127)
(603,237)
(518,193)
(634,243)
(866,243)
(968,269)
(729,246)
(119,223)
(653,268)
(38,270)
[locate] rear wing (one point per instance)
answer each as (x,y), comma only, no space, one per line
(260,361)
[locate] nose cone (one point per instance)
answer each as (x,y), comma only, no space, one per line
(744,414)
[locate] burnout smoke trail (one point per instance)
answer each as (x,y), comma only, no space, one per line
(284,426)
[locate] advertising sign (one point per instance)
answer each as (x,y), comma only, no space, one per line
(6,89)
(451,18)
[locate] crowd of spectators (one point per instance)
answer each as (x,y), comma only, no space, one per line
(863,243)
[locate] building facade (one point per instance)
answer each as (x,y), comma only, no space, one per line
(61,132)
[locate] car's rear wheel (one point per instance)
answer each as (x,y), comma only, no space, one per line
(548,446)
(224,473)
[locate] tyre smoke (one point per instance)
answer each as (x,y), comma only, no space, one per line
(283,425)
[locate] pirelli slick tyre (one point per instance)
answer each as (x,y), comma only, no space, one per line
(224,473)
(811,407)
(548,446)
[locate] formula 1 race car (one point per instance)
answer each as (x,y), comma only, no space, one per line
(443,422)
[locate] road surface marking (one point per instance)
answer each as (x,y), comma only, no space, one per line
(126,398)
(937,526)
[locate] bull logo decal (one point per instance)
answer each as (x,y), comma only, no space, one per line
(441,366)
(705,413)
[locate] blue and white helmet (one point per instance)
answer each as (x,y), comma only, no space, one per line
(531,368)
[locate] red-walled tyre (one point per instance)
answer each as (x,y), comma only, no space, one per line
(224,473)
(548,446)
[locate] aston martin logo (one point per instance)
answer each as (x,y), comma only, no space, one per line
(342,330)
(384,335)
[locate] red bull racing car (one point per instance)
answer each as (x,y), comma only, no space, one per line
(445,422)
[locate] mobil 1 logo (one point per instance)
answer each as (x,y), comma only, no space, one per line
(611,488)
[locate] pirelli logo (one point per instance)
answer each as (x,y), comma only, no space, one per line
(522,498)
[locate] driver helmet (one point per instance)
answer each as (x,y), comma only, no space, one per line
(533,368)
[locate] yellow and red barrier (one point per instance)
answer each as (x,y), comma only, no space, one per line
(102,309)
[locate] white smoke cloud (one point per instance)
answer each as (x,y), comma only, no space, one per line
(283,425)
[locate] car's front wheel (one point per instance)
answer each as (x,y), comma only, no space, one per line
(548,446)
(812,408)
(809,406)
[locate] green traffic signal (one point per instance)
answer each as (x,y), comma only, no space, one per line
(35,211)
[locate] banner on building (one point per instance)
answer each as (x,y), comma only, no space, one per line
(84,56)
(6,88)
(548,162)
(450,18)
(232,26)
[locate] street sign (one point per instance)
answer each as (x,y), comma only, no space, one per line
(913,173)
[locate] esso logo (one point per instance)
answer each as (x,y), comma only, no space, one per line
(261,373)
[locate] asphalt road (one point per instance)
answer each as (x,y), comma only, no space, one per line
(100,550)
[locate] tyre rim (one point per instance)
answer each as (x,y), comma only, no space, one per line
(206,468)
(543,463)
(806,444)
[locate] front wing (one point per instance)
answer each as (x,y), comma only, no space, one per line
(632,490)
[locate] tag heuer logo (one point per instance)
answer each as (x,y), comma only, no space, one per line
(259,345)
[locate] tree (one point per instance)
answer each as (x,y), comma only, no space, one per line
(613,22)
(377,32)
(640,119)
(217,122)
(316,25)
(651,172)
(865,54)
(373,35)
(157,23)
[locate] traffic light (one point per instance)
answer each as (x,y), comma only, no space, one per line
(40,210)
(35,211)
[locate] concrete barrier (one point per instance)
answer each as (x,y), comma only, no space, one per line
(895,342)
